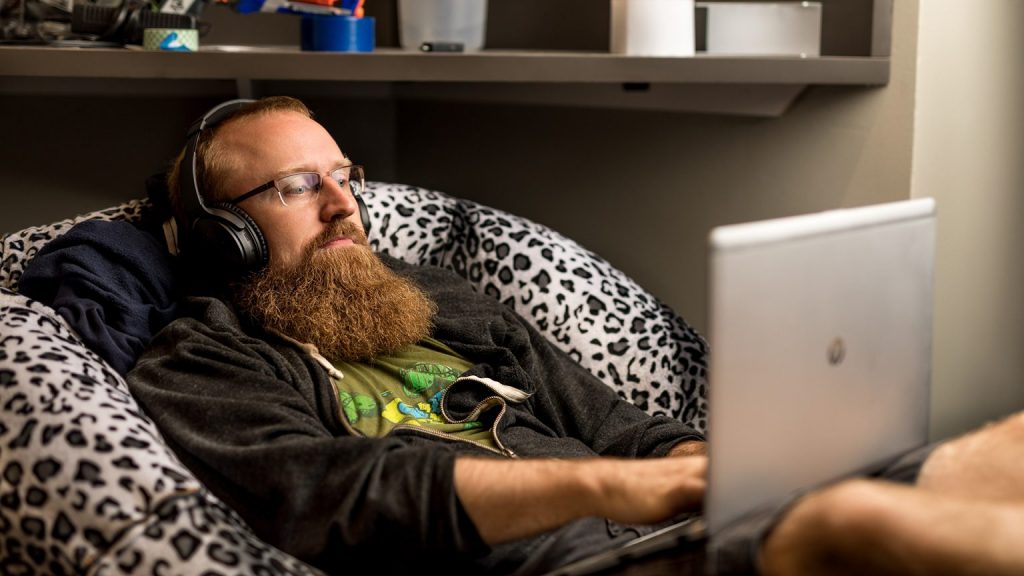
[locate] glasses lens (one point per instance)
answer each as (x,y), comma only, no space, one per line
(349,178)
(298,188)
(356,179)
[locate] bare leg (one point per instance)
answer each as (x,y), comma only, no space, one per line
(965,516)
(874,527)
(987,464)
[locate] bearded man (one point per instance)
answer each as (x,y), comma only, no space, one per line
(365,414)
(362,413)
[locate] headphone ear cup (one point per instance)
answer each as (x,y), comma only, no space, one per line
(229,242)
(364,213)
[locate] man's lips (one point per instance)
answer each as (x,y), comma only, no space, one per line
(337,242)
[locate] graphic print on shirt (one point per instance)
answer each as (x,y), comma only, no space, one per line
(423,385)
(406,389)
(357,405)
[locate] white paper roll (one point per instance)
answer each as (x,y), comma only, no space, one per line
(652,27)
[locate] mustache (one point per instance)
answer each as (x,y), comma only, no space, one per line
(335,229)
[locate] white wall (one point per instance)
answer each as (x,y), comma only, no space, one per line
(969,154)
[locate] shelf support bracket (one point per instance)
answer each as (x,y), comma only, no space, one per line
(243,86)
(881,29)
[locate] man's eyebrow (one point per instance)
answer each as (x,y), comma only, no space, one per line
(307,168)
(292,170)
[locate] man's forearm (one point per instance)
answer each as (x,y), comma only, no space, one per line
(689,448)
(511,499)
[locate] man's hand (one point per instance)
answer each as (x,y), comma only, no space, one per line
(515,499)
(650,491)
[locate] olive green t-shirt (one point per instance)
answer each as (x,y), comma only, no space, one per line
(405,389)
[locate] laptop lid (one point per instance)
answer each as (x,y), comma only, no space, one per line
(820,355)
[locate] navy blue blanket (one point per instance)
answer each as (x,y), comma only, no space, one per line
(114,284)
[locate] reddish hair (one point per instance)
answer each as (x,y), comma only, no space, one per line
(211,159)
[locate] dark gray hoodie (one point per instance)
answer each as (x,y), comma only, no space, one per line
(258,421)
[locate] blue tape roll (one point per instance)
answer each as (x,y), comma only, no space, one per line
(322,33)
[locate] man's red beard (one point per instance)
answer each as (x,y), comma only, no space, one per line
(344,301)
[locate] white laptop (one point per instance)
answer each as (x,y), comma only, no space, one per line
(820,358)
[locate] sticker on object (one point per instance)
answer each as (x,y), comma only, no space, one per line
(171,40)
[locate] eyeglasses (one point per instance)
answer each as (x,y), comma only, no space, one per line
(304,187)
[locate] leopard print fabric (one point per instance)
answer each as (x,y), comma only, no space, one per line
(196,534)
(84,472)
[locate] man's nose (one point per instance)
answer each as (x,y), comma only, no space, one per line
(336,201)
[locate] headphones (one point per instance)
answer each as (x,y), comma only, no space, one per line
(223,236)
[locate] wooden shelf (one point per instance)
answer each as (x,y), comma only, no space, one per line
(392,65)
(760,86)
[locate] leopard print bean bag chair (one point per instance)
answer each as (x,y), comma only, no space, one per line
(88,485)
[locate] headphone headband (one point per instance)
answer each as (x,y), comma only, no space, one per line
(194,203)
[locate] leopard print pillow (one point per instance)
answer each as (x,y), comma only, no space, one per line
(196,534)
(87,483)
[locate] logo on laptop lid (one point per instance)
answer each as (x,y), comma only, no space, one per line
(836,351)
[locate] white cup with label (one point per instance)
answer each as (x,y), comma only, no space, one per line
(653,28)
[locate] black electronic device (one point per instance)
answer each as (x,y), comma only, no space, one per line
(232,243)
(124,22)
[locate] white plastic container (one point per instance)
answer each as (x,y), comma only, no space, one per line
(764,28)
(450,21)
